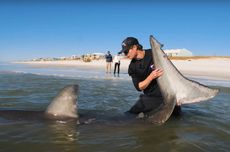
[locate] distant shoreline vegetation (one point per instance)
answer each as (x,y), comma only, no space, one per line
(85,58)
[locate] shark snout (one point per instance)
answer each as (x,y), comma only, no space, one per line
(65,103)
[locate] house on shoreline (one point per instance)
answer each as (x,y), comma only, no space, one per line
(178,53)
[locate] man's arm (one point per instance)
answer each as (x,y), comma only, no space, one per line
(153,75)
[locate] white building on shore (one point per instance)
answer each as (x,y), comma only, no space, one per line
(178,52)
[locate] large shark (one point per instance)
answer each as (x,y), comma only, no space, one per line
(176,89)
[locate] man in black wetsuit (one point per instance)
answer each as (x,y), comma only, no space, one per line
(143,74)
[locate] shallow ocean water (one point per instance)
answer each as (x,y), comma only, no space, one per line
(202,126)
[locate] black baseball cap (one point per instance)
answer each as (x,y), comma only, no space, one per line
(127,44)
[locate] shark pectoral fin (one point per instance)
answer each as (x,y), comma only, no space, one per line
(161,114)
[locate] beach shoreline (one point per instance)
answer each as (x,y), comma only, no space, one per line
(209,68)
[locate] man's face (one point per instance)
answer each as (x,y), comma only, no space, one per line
(132,53)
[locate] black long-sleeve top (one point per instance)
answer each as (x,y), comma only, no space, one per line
(139,69)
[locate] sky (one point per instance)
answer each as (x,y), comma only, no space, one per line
(56,28)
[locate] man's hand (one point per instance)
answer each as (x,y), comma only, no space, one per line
(156,73)
(153,75)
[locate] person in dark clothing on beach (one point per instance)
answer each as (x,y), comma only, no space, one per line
(109,60)
(143,74)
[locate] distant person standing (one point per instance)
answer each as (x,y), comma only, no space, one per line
(117,63)
(109,60)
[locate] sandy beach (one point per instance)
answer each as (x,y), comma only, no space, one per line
(211,67)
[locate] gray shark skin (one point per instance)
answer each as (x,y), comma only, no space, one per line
(62,107)
(175,88)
